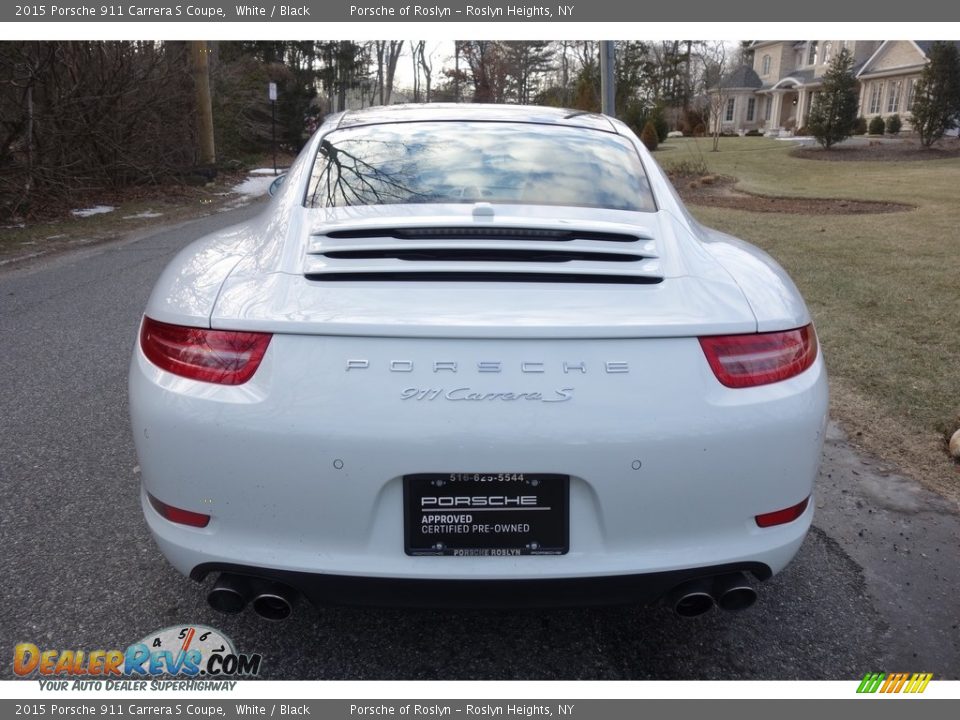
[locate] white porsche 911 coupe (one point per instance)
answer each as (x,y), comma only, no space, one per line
(477,355)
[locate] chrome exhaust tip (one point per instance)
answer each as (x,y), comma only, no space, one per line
(230,593)
(733,592)
(275,602)
(691,598)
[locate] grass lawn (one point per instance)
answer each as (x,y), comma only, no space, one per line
(884,289)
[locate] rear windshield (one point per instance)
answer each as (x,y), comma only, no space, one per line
(468,162)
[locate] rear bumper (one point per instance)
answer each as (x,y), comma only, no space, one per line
(301,469)
(323,590)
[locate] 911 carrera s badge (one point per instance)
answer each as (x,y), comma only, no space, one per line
(468,394)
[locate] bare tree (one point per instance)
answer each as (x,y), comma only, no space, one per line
(425,61)
(565,72)
(385,53)
(376,50)
(488,71)
(715,68)
(79,116)
(416,48)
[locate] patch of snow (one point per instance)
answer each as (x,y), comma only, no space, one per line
(98,210)
(267,171)
(254,186)
(144,214)
(54,237)
(20,258)
(14,227)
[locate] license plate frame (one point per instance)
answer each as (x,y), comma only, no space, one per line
(486,514)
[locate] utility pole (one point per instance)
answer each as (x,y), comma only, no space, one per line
(456,69)
(607,80)
(199,55)
(272,94)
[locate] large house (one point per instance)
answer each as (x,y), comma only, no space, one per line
(775,94)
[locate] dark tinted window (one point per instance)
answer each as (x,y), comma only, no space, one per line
(442,162)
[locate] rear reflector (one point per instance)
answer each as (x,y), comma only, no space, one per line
(226,357)
(741,361)
(780,517)
(178,515)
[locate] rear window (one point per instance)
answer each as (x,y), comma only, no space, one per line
(468,162)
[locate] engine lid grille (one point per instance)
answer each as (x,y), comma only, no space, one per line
(482,253)
(468,233)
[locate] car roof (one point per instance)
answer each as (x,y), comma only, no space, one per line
(476,112)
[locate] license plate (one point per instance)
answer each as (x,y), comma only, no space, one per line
(486,514)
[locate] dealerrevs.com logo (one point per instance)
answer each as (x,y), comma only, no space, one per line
(183,651)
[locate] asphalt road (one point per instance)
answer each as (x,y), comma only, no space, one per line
(876,586)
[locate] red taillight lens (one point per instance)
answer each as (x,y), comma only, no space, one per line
(780,517)
(178,515)
(741,361)
(226,357)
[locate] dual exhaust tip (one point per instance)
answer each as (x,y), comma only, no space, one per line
(729,592)
(270,600)
(274,601)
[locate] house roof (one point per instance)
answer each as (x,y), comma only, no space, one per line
(923,46)
(800,77)
(760,43)
(743,77)
(807,76)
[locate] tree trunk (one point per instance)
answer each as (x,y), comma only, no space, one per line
(29,136)
(393,55)
(201,81)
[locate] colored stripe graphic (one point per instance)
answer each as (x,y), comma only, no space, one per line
(894,683)
(921,682)
(870,682)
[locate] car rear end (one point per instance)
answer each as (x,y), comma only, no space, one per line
(477,402)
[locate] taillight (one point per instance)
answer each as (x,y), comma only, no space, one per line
(179,515)
(227,357)
(781,517)
(741,361)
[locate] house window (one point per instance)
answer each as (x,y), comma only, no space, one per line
(768,109)
(876,91)
(751,108)
(728,117)
(812,53)
(811,101)
(912,93)
(827,47)
(893,96)
(765,67)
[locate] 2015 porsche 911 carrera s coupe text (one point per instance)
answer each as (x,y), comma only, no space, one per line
(477,355)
